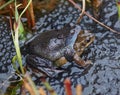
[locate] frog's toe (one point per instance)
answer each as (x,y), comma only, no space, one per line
(81,62)
(88,62)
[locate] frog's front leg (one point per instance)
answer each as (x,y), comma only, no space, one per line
(80,61)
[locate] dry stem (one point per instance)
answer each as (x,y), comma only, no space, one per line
(77,6)
(83,10)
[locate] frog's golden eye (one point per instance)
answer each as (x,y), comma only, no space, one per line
(60,36)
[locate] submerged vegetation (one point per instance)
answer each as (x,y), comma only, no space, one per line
(18,32)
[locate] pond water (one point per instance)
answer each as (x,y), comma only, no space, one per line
(101,78)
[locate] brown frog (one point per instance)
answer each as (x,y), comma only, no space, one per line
(58,47)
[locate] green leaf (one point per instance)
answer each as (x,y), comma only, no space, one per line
(14,60)
(7,3)
(118,7)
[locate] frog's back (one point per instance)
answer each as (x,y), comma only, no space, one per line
(51,44)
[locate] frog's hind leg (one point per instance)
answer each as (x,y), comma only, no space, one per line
(42,65)
(61,61)
(80,61)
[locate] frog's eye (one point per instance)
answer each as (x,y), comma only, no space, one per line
(60,36)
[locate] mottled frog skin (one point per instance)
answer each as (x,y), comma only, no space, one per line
(58,46)
(51,44)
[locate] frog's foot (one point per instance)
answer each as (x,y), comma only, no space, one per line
(61,61)
(80,61)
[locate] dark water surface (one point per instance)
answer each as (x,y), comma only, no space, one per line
(103,77)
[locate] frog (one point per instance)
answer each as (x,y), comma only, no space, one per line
(52,49)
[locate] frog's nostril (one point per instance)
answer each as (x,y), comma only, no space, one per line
(60,36)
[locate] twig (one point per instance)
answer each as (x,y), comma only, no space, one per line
(79,89)
(32,15)
(83,10)
(7,3)
(77,6)
(67,84)
(29,14)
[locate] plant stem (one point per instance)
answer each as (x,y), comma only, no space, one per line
(17,47)
(6,4)
(77,6)
(83,10)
